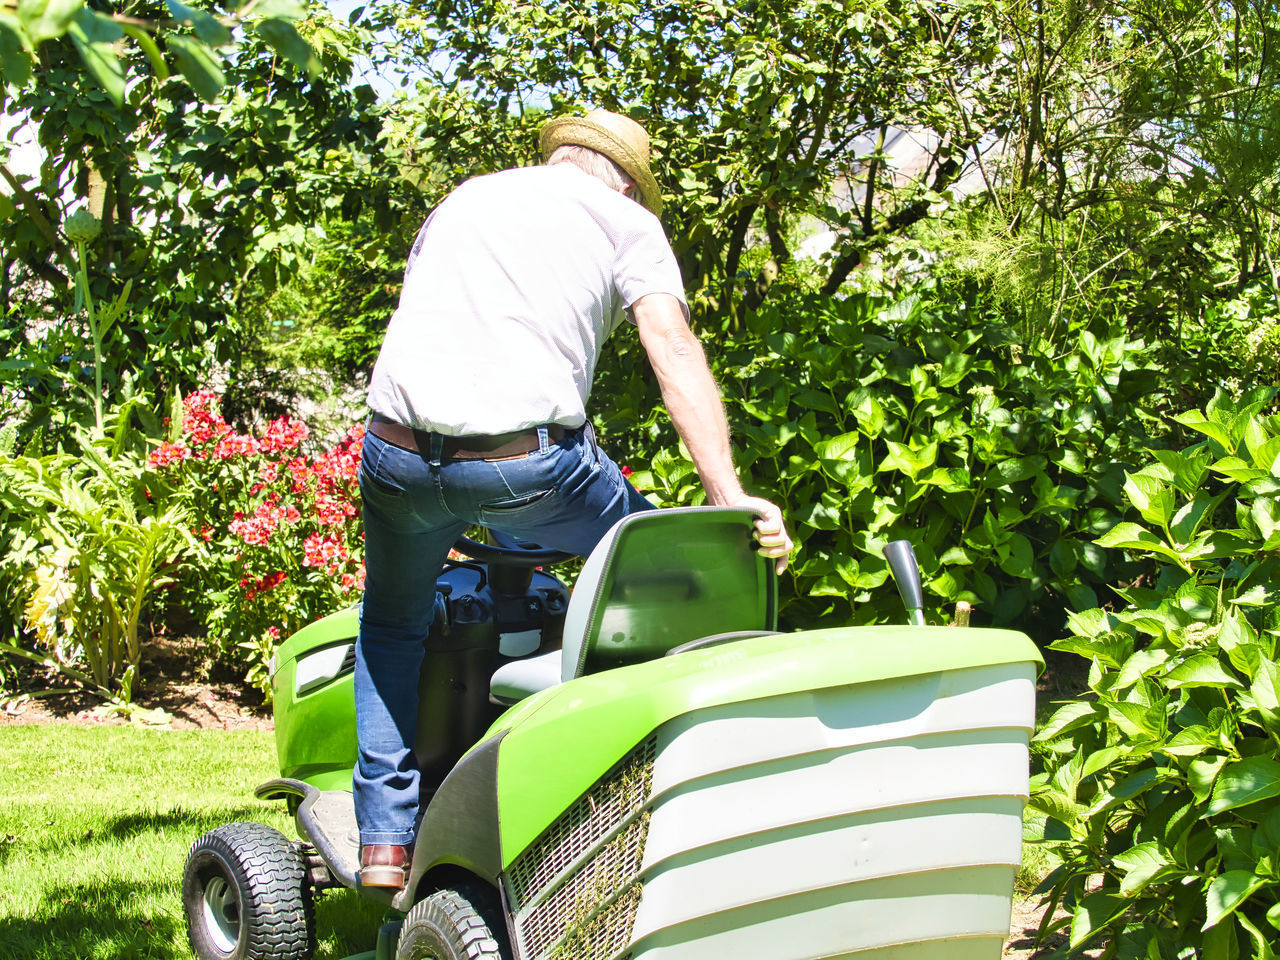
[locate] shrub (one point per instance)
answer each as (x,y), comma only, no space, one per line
(869,421)
(279,534)
(87,550)
(1162,788)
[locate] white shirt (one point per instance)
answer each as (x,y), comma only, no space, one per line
(513,284)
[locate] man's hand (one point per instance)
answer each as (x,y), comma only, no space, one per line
(771,532)
(693,400)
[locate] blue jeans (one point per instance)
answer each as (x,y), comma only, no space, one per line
(565,496)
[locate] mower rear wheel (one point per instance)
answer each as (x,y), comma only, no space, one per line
(454,924)
(246,895)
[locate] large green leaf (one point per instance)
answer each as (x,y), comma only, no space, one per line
(1265,512)
(1139,665)
(1090,623)
(1019,469)
(1016,557)
(198,64)
(205,26)
(1201,670)
(1153,499)
(284,9)
(908,459)
(284,37)
(1111,648)
(1265,691)
(1056,805)
(1215,430)
(1245,782)
(1236,469)
(1131,536)
(843,447)
(1070,717)
(1186,470)
(94,34)
(1188,519)
(15,68)
(1226,893)
(869,414)
(47,19)
(1131,786)
(954,369)
(1191,741)
(1093,914)
(1137,720)
(1261,946)
(1144,864)
(1263,448)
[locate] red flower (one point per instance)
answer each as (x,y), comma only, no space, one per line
(283,434)
(626,471)
(201,420)
(255,588)
(324,552)
(235,445)
(331,511)
(167,453)
(299,473)
(259,528)
(353,580)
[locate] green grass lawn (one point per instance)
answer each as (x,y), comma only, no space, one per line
(95,824)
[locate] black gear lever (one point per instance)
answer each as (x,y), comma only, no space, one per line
(906,574)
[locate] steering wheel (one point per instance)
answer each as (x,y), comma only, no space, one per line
(509,550)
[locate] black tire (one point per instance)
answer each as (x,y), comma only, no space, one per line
(246,896)
(455,924)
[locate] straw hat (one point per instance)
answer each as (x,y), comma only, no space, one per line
(619,138)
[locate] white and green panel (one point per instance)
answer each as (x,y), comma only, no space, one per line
(871,805)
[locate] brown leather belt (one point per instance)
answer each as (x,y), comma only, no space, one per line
(502,446)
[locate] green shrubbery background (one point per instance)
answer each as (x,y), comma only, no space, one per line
(1045,350)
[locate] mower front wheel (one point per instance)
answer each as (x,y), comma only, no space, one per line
(246,895)
(454,924)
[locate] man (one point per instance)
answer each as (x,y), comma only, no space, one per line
(479,412)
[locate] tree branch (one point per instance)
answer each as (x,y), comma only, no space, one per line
(737,240)
(32,207)
(768,274)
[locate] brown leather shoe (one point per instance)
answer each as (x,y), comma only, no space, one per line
(385,865)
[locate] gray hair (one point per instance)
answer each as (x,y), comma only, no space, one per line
(594,163)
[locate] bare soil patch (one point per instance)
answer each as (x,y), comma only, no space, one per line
(1021,945)
(176,676)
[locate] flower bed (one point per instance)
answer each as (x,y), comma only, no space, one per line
(278,531)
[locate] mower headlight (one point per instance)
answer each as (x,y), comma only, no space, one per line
(320,667)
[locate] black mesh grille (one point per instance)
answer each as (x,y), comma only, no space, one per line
(589,913)
(572,907)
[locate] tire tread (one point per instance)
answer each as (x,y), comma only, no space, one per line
(453,915)
(276,909)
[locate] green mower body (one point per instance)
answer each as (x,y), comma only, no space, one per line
(650,772)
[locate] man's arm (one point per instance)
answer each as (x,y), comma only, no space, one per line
(693,400)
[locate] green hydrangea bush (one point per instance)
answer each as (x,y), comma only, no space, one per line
(1161,789)
(871,420)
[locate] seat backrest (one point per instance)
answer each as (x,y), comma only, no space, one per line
(662,578)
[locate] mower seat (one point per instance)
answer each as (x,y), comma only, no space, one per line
(658,580)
